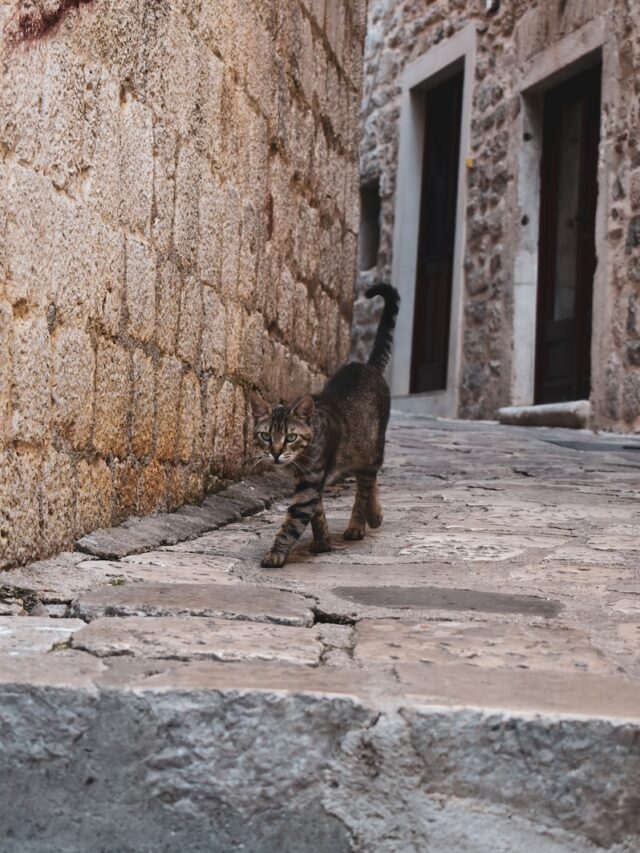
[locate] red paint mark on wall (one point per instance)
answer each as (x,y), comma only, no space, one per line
(33,19)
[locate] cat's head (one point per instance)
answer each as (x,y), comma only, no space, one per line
(281,434)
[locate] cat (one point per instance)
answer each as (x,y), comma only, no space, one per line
(341,429)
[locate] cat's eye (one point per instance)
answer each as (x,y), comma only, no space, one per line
(291,437)
(264,436)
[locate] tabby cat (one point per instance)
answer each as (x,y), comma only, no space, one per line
(338,430)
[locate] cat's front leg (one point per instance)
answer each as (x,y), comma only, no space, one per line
(305,501)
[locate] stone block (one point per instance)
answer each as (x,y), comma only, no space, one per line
(232,223)
(214,327)
(167,307)
(164,175)
(208,138)
(187,207)
(152,488)
(31,395)
(20,537)
(20,100)
(286,292)
(93,503)
(247,261)
(6,323)
(210,231)
(73,382)
(252,350)
(210,403)
(108,275)
(136,165)
(62,116)
(262,70)
(167,406)
(140,291)
(101,146)
(175,487)
(300,298)
(143,413)
(224,422)
(236,319)
(634,194)
(112,399)
(126,475)
(29,236)
(190,420)
(58,501)
(190,329)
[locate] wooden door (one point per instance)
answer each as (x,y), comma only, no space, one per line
(432,311)
(567,252)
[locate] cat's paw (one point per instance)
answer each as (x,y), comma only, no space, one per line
(273,560)
(354,533)
(374,519)
(320,546)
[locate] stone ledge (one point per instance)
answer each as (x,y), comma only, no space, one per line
(137,535)
(573,415)
(156,755)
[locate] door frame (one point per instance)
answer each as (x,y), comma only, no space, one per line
(548,227)
(543,71)
(435,66)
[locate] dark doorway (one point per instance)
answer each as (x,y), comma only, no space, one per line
(567,251)
(437,231)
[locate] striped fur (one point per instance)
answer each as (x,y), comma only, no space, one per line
(342,429)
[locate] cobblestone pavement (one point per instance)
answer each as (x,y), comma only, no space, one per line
(503,585)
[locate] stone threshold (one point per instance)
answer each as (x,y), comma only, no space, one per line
(571,415)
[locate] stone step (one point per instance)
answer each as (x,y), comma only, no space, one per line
(155,756)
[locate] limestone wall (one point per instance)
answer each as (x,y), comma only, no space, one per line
(509,41)
(178,209)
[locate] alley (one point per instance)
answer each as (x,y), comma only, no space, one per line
(505,580)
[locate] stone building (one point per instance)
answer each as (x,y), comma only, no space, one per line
(178,222)
(500,180)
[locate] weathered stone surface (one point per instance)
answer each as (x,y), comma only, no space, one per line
(58,579)
(491,645)
(257,604)
(168,567)
(356,768)
(195,638)
(144,534)
(22,635)
(141,239)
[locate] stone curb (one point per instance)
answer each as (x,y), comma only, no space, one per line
(137,535)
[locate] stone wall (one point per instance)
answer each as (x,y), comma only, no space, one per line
(509,39)
(178,209)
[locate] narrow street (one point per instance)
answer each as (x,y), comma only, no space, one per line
(478,655)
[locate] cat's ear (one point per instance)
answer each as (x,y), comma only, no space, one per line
(304,408)
(259,407)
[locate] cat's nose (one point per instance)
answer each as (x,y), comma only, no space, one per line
(276,454)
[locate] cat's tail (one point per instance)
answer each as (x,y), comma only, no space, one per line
(382,345)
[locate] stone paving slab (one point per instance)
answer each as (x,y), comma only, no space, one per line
(257,604)
(21,634)
(489,645)
(578,695)
(163,567)
(196,638)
